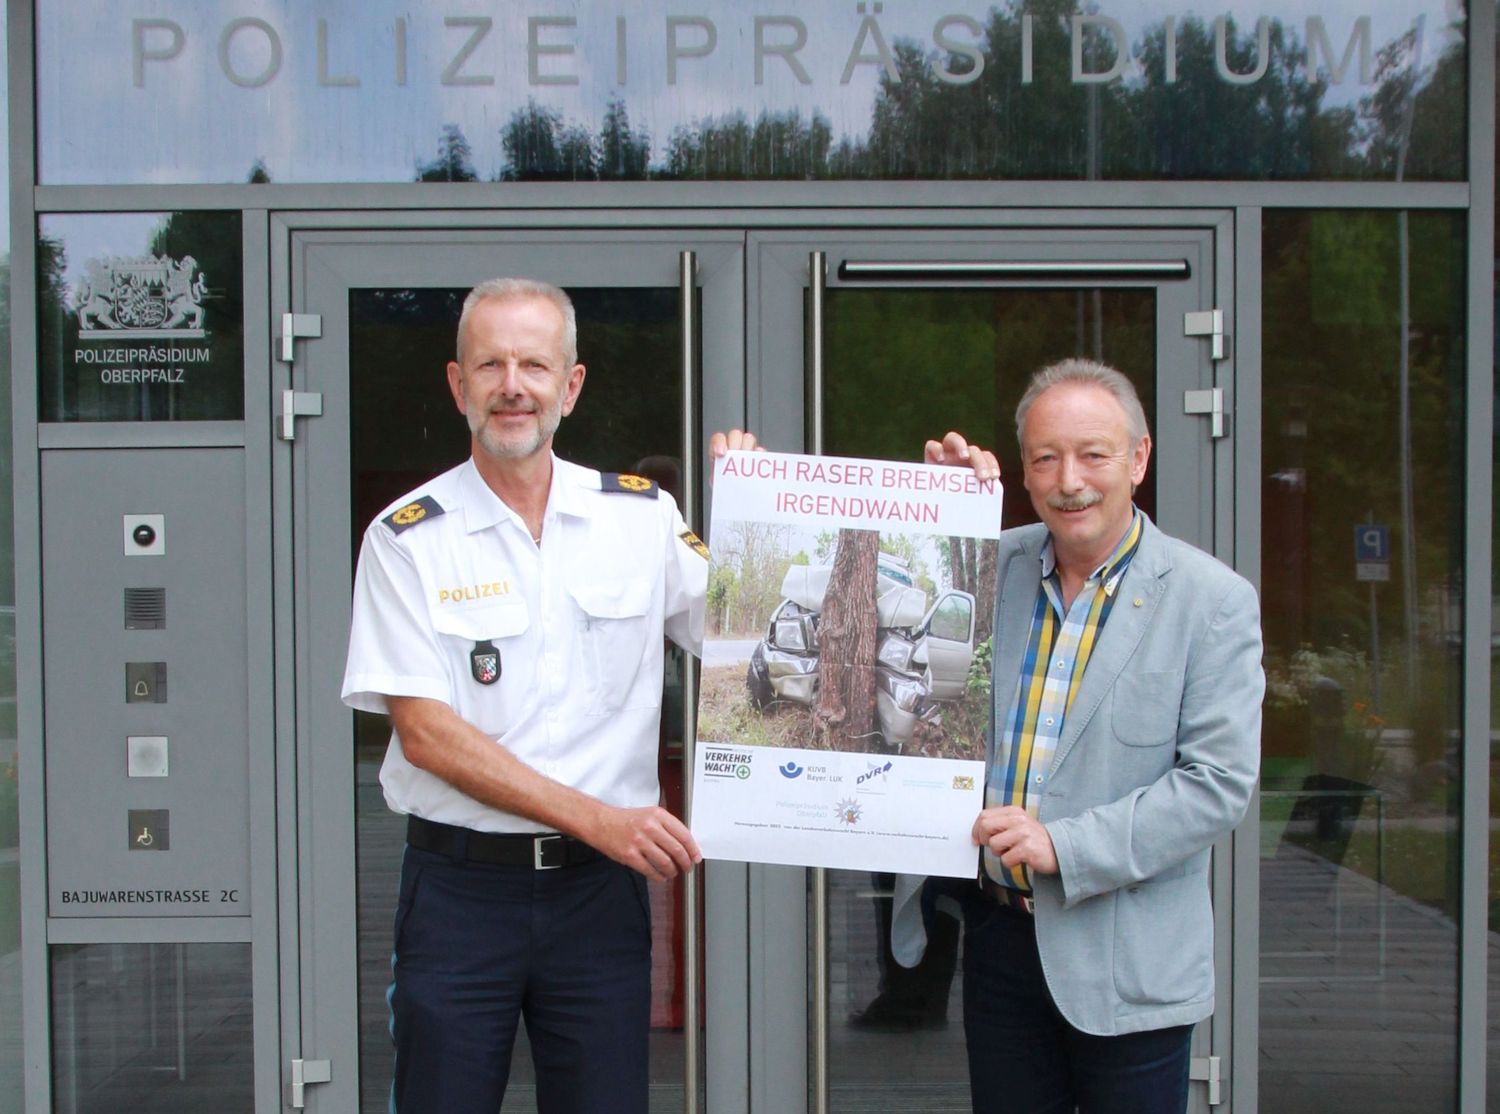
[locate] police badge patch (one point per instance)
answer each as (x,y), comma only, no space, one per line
(404,518)
(628,484)
(484,662)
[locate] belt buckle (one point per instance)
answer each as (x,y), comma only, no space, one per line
(1004,895)
(539,853)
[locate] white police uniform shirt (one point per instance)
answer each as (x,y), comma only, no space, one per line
(577,623)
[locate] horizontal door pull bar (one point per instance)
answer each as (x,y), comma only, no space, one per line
(873,270)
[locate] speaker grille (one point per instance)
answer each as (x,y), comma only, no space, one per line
(145,608)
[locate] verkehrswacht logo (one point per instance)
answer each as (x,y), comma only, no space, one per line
(726,763)
(791,769)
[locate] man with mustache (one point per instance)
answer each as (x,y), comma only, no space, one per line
(1125,740)
(509,616)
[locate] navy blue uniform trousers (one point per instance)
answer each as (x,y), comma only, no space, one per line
(1024,1057)
(478,946)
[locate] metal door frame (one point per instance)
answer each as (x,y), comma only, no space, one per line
(313,267)
(760,908)
(781,408)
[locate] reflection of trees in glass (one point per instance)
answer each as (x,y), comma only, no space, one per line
(1339,655)
(778,145)
(630,407)
(1201,123)
(539,147)
(454,162)
(576,154)
(1435,147)
(205,236)
(53,317)
(902,365)
(1168,117)
(624,155)
(1331,410)
(212,241)
(532,141)
(1197,125)
(51,267)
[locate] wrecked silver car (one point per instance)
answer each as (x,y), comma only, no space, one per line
(923,652)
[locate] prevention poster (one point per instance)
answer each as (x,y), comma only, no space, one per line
(845,681)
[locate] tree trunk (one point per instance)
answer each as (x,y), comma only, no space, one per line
(846,645)
(957,576)
(984,591)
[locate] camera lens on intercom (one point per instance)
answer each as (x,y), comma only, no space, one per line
(143,535)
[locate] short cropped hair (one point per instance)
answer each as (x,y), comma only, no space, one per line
(503,288)
(1088,373)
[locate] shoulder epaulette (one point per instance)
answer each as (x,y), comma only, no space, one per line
(419,510)
(628,484)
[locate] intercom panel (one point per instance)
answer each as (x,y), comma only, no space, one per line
(143,597)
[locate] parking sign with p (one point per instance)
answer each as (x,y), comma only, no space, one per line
(1372,552)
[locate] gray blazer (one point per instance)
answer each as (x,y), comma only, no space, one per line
(1157,760)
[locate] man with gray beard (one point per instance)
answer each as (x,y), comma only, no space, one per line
(509,616)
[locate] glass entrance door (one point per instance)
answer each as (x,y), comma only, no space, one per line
(867,347)
(387,307)
(803,1008)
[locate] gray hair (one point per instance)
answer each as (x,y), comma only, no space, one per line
(1088,373)
(503,288)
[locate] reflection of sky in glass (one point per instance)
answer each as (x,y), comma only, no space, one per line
(86,236)
(348,115)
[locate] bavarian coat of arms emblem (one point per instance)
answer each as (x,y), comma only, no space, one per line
(149,295)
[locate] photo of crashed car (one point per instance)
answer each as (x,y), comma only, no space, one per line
(923,652)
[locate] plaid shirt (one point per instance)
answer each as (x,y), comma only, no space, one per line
(1057,653)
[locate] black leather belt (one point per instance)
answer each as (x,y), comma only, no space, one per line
(541,851)
(1004,895)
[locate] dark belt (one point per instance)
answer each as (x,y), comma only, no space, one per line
(541,851)
(1005,896)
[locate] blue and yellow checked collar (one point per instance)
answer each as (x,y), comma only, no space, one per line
(1113,566)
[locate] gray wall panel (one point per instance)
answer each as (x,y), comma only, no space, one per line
(199,865)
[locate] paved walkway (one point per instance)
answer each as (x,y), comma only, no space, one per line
(1359,1003)
(1358,1007)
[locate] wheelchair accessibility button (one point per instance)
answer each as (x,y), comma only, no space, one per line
(150,829)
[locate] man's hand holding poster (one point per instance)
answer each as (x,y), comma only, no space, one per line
(845,684)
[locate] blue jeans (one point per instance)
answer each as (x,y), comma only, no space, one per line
(1024,1057)
(478,947)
